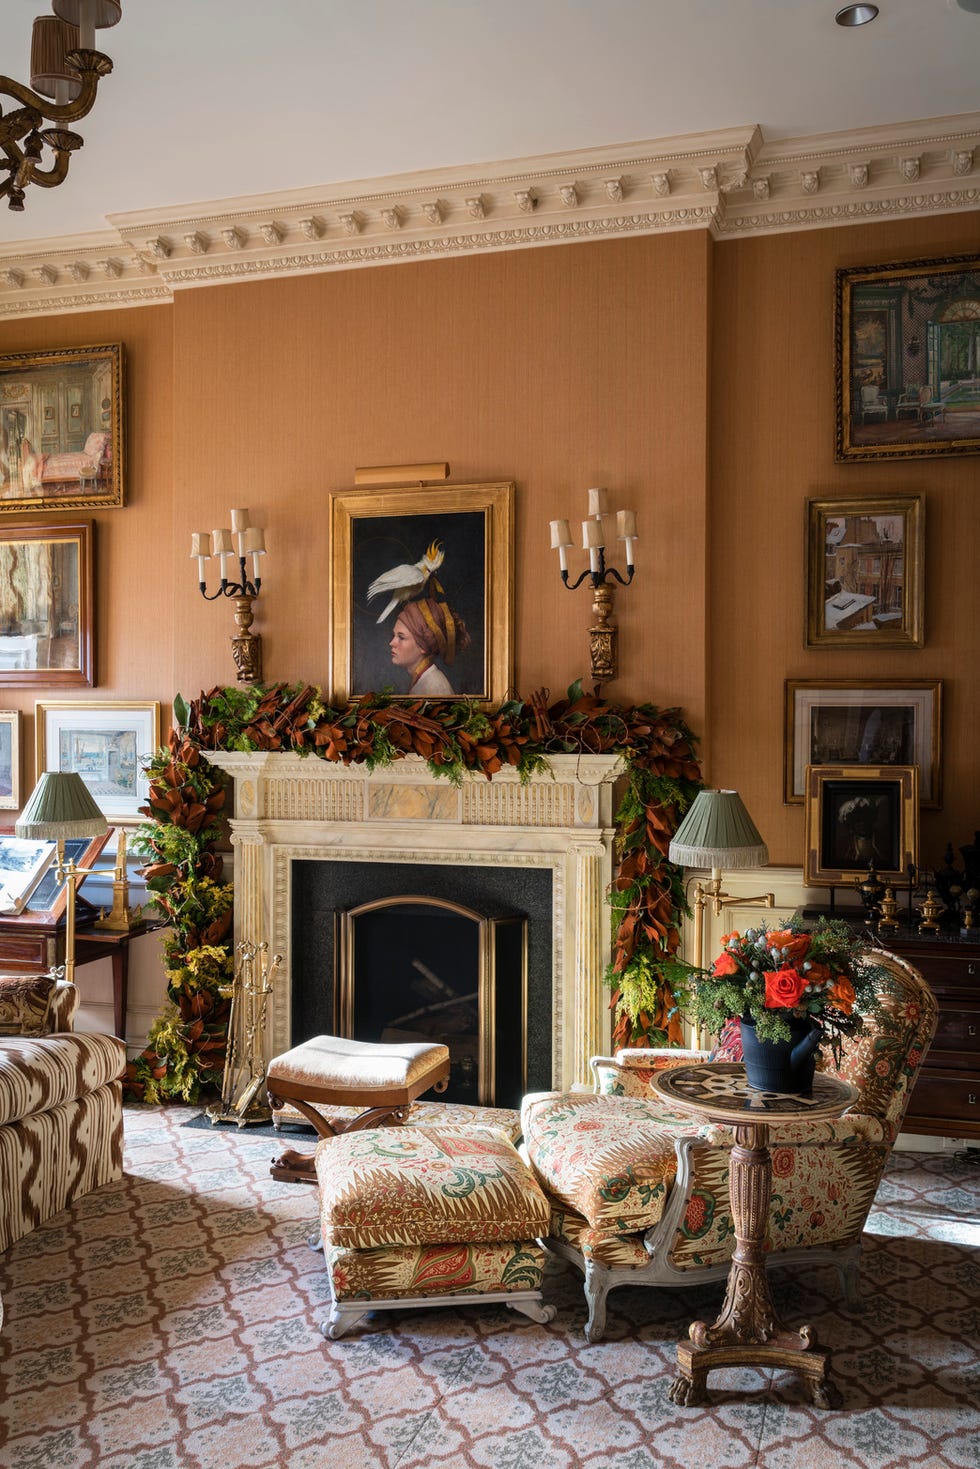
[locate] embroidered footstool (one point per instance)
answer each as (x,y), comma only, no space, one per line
(418,1216)
(379,1080)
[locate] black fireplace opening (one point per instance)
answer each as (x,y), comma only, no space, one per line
(418,951)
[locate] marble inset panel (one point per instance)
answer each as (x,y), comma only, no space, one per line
(412,803)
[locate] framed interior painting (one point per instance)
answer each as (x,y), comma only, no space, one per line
(46,605)
(907,363)
(857,815)
(421,597)
(62,429)
(864,572)
(107,743)
(10,760)
(864,721)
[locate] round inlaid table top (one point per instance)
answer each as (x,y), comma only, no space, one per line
(719,1092)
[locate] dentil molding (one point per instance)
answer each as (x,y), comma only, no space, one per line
(731,182)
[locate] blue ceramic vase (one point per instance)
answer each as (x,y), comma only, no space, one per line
(781,1066)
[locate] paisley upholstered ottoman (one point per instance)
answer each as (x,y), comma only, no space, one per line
(416,1216)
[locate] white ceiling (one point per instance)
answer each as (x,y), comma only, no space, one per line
(213,99)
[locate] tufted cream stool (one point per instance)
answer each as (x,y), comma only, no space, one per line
(383,1080)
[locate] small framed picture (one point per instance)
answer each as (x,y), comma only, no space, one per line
(10,760)
(864,721)
(422,591)
(62,436)
(906,363)
(107,743)
(857,816)
(864,572)
(47,605)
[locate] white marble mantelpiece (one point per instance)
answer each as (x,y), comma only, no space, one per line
(288,809)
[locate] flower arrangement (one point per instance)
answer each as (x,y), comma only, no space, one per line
(773,975)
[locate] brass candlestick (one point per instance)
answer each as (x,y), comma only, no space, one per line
(121,918)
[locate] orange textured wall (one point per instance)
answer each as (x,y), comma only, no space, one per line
(772,448)
(693,379)
(556,368)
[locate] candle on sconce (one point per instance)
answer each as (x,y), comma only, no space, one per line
(598,502)
(239,525)
(253,544)
(592,542)
(626,531)
(201,548)
(561,537)
(221,546)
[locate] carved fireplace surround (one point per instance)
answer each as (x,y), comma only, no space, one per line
(289,809)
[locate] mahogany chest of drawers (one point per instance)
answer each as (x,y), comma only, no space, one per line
(946,1099)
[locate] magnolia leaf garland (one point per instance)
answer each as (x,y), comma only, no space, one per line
(185,1048)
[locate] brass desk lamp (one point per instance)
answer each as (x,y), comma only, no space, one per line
(717,832)
(59,809)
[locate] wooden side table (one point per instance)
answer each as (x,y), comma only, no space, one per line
(748,1332)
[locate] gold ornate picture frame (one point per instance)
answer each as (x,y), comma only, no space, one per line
(447,551)
(857,815)
(62,429)
(906,367)
(864,572)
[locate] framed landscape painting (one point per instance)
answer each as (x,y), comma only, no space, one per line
(864,572)
(864,721)
(908,359)
(9,760)
(421,596)
(107,743)
(61,429)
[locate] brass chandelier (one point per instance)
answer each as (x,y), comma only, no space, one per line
(65,74)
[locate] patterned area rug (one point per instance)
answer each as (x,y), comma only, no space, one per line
(171,1322)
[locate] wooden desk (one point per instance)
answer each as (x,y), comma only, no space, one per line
(32,943)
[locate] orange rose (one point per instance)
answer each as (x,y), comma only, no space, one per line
(818,974)
(725,964)
(842,995)
(796,944)
(784,988)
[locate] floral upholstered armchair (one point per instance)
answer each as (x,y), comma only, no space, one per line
(639,1195)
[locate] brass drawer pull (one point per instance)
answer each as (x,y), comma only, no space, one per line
(971,1030)
(972,1099)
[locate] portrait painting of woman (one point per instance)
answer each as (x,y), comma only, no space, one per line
(419,595)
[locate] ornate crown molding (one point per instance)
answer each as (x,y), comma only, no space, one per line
(730,182)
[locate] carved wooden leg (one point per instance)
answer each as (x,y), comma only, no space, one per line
(748,1332)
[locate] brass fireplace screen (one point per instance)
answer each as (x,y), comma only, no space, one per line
(419,968)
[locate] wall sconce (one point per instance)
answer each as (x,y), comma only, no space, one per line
(246,646)
(603,635)
(66,68)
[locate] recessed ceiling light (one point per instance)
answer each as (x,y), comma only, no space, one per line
(856,15)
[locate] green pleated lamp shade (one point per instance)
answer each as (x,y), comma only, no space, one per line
(60,807)
(718,832)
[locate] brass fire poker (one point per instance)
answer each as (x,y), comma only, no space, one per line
(244,1073)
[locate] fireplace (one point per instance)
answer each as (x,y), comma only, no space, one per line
(318,847)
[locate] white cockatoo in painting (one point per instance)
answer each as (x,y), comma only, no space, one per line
(402,583)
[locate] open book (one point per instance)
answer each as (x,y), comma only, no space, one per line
(22,865)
